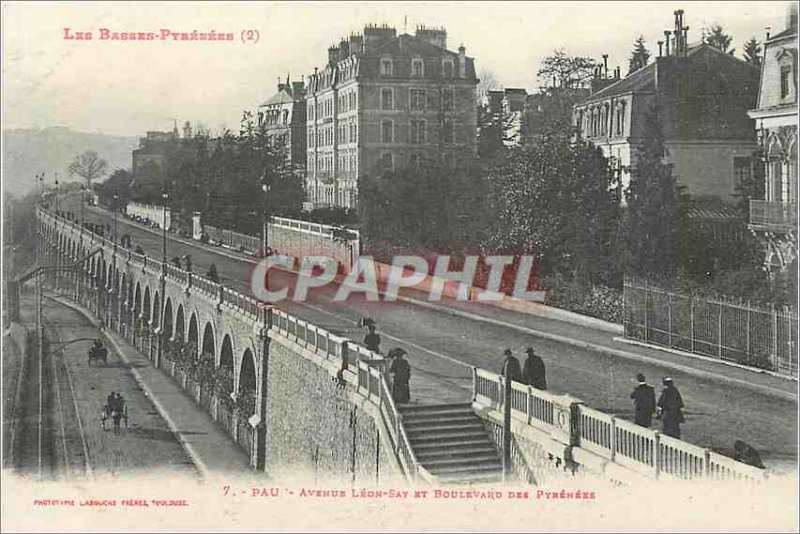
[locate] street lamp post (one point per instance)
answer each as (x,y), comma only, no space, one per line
(116,209)
(57,256)
(162,304)
(265,229)
(83,201)
(56,178)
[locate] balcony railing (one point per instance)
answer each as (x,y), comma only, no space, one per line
(773,216)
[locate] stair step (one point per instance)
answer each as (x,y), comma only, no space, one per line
(452,444)
(444,427)
(433,418)
(472,462)
(447,435)
(428,408)
(455,452)
(486,477)
(493,467)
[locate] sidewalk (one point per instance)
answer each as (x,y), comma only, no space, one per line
(211,450)
(598,340)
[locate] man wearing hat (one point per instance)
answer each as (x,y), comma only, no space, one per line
(372,340)
(401,371)
(671,404)
(511,369)
(533,371)
(644,402)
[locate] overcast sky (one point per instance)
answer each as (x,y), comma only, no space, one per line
(126,88)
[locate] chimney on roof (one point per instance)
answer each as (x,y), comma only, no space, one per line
(356,44)
(462,62)
(333,55)
(666,40)
(434,36)
(605,65)
(791,16)
(660,48)
(280,84)
(298,90)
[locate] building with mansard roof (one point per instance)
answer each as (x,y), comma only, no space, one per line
(774,217)
(701,96)
(283,117)
(384,101)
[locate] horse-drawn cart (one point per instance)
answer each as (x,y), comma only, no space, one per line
(98,352)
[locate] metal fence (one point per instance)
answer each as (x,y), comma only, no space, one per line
(749,335)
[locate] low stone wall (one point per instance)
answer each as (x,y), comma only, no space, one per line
(150,212)
(317,430)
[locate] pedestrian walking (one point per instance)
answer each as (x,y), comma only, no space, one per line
(400,370)
(644,402)
(511,368)
(533,371)
(670,404)
(372,340)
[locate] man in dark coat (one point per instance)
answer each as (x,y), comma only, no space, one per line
(372,340)
(511,368)
(671,405)
(533,372)
(644,402)
(401,371)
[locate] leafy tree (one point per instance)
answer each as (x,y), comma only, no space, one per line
(639,56)
(715,36)
(752,52)
(563,70)
(554,199)
(653,215)
(88,166)
(119,183)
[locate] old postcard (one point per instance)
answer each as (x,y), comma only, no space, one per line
(399,266)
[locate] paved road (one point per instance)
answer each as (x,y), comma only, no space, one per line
(79,390)
(442,344)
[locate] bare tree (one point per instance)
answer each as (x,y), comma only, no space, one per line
(562,70)
(88,166)
(488,82)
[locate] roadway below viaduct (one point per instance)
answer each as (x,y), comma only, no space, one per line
(723,403)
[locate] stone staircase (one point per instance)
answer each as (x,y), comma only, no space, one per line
(451,442)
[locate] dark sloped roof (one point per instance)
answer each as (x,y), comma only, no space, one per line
(281,97)
(641,80)
(411,46)
(644,78)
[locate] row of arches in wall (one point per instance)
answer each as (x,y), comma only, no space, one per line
(146,308)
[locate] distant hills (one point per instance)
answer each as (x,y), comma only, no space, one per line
(30,151)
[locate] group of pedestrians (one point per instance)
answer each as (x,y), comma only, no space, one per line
(669,407)
(398,369)
(115,403)
(532,373)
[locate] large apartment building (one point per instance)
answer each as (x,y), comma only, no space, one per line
(774,218)
(384,101)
